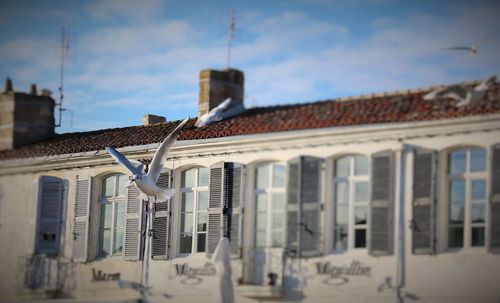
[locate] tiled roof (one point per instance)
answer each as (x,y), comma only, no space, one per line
(405,106)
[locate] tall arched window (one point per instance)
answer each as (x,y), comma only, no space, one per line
(269,197)
(467,197)
(112,202)
(194,205)
(350,200)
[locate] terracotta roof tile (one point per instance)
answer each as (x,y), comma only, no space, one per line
(405,106)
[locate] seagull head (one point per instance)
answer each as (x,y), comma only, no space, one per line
(135,178)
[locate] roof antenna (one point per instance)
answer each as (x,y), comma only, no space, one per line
(64,54)
(230,37)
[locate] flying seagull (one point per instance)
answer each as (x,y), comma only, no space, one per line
(461,93)
(474,49)
(222,111)
(147,182)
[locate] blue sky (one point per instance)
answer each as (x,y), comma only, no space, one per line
(130,58)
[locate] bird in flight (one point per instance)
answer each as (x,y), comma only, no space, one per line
(227,109)
(147,182)
(474,49)
(464,95)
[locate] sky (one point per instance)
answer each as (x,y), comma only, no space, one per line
(131,58)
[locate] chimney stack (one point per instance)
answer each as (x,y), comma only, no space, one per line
(8,85)
(153,119)
(216,86)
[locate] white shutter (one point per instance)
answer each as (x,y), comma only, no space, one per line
(494,241)
(81,222)
(133,225)
(49,215)
(161,221)
(215,205)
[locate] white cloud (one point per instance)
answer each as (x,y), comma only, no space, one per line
(109,10)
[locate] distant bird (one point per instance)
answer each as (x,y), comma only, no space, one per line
(461,93)
(474,49)
(147,182)
(226,109)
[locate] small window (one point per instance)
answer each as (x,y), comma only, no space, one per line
(467,197)
(351,196)
(194,205)
(112,211)
(269,198)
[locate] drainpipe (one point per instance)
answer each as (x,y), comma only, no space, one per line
(400,245)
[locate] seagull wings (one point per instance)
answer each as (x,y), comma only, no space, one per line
(157,163)
(133,169)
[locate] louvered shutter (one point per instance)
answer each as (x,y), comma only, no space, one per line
(49,215)
(424,180)
(215,205)
(382,204)
(232,208)
(494,241)
(81,222)
(304,206)
(161,222)
(133,224)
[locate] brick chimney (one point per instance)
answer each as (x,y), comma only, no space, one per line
(25,118)
(216,86)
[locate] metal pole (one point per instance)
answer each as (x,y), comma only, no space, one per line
(400,254)
(147,244)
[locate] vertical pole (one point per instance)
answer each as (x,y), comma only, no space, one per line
(400,254)
(230,38)
(145,273)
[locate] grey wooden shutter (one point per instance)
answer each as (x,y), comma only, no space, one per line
(133,224)
(49,215)
(81,222)
(232,209)
(424,183)
(382,204)
(215,205)
(494,241)
(161,222)
(304,206)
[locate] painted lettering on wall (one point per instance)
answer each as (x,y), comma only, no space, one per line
(356,268)
(99,276)
(185,270)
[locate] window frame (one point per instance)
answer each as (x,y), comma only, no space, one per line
(467,177)
(352,179)
(116,198)
(195,191)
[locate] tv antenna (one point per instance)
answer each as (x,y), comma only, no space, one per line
(230,37)
(64,54)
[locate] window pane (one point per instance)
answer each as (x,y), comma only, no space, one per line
(109,187)
(278,239)
(105,242)
(261,221)
(262,176)
(188,178)
(278,220)
(202,200)
(457,214)
(106,215)
(122,182)
(478,211)
(341,215)
(200,245)
(187,223)
(118,241)
(477,236)
(261,202)
(260,239)
(278,175)
(279,201)
(361,192)
(186,243)
(360,238)
(202,222)
(478,189)
(477,159)
(455,237)
(360,215)
(456,162)
(360,165)
(342,166)
(202,176)
(187,202)
(342,193)
(341,237)
(457,191)
(120,210)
